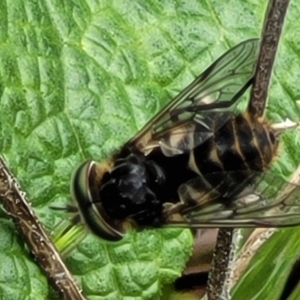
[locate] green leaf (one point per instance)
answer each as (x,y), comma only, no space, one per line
(79,78)
(270,266)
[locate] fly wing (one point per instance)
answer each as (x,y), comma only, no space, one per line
(203,106)
(260,200)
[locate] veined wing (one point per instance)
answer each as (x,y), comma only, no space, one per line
(203,106)
(261,200)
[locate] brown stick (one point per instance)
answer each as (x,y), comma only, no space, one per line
(221,259)
(274,20)
(18,208)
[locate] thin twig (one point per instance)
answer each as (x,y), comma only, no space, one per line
(273,24)
(18,208)
(221,259)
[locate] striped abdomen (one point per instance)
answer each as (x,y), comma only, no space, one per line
(242,143)
(236,153)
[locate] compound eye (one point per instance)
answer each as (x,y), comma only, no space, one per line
(91,211)
(80,190)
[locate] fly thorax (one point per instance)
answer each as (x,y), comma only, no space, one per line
(129,176)
(125,192)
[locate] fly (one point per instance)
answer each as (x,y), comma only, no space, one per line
(198,163)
